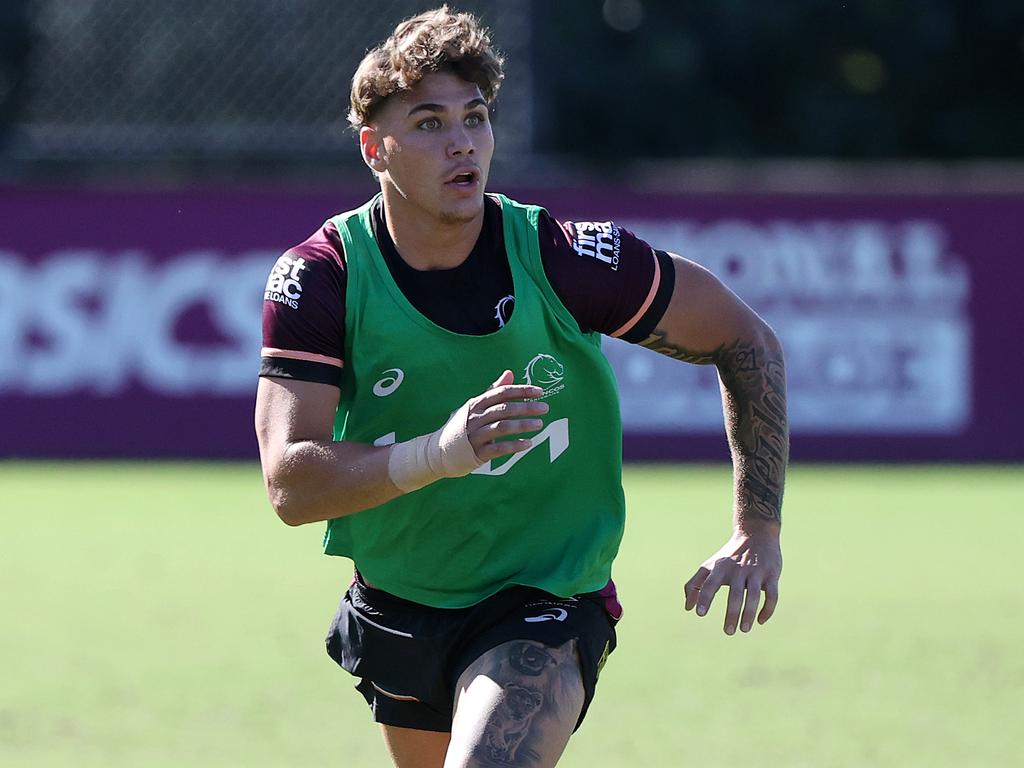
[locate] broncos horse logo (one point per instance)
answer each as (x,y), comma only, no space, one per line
(546,372)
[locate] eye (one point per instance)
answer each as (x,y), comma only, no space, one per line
(430,124)
(475,120)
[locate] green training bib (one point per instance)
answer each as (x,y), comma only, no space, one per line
(551,517)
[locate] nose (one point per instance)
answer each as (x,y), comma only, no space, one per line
(460,142)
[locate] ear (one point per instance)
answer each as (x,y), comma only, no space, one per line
(371,144)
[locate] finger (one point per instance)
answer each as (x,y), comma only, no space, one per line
(509,410)
(771,598)
(480,437)
(750,607)
(504,448)
(692,587)
(504,393)
(709,589)
(505,378)
(734,606)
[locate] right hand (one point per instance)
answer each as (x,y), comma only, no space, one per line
(500,411)
(470,438)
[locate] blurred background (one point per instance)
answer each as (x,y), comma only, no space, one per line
(854,170)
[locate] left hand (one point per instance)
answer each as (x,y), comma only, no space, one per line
(748,563)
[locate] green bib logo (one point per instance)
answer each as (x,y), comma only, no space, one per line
(546,372)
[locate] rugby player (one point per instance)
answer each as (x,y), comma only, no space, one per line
(432,386)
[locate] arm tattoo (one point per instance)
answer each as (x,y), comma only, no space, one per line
(753,379)
(658,341)
(539,683)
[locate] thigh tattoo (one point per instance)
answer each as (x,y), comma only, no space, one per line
(538,682)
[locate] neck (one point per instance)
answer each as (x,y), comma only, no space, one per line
(423,240)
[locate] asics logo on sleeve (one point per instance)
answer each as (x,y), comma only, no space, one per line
(556,614)
(391,380)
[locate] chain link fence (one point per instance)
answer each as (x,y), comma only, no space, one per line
(115,80)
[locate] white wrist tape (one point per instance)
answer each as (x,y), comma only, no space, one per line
(444,453)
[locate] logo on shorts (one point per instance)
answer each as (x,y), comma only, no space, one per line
(556,614)
(546,372)
(604,656)
(391,380)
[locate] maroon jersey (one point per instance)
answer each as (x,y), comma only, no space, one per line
(611,281)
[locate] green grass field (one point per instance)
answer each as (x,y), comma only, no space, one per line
(160,615)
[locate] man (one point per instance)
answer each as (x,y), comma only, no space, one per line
(432,386)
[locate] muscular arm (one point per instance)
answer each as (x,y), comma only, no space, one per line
(308,476)
(707,324)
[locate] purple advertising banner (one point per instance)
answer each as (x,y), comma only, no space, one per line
(130,320)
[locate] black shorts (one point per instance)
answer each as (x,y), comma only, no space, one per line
(409,656)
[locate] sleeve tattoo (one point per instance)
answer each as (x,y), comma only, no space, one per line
(753,381)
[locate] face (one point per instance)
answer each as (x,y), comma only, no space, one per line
(432,147)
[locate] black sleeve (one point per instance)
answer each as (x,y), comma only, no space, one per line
(304,312)
(610,280)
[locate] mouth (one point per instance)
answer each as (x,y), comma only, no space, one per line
(466,178)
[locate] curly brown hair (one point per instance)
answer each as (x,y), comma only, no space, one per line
(438,40)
